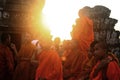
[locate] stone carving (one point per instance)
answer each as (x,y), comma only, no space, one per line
(103,26)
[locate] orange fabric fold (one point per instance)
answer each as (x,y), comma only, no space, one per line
(112,73)
(83,33)
(50,66)
(22,71)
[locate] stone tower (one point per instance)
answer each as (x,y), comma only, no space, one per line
(103,26)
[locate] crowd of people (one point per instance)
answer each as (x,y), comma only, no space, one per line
(80,58)
(52,61)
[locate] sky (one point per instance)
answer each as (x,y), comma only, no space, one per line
(60,15)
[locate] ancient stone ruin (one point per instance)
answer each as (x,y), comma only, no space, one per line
(103,26)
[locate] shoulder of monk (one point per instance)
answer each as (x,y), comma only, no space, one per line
(113,57)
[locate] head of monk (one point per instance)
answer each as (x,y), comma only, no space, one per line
(100,50)
(45,42)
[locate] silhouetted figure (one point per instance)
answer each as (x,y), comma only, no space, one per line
(110,68)
(6,58)
(56,45)
(23,69)
(50,66)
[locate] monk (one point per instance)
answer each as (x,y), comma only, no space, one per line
(50,66)
(23,69)
(72,61)
(56,45)
(83,30)
(88,64)
(6,58)
(83,33)
(109,71)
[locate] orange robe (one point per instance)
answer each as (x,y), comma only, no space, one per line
(23,68)
(50,66)
(112,72)
(73,64)
(83,33)
(6,63)
(87,68)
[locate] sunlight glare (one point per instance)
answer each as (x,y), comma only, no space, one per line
(60,15)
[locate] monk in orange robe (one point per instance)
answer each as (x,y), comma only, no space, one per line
(24,56)
(83,33)
(72,61)
(88,64)
(83,30)
(50,66)
(6,58)
(108,72)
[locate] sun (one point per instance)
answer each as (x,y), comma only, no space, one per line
(59,16)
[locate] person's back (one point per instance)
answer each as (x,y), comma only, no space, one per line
(88,64)
(73,61)
(6,58)
(83,31)
(24,56)
(50,65)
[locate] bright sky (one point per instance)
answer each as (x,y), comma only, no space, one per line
(61,14)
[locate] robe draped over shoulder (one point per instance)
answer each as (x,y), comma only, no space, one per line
(50,66)
(6,63)
(23,68)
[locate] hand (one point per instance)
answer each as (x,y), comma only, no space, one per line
(104,63)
